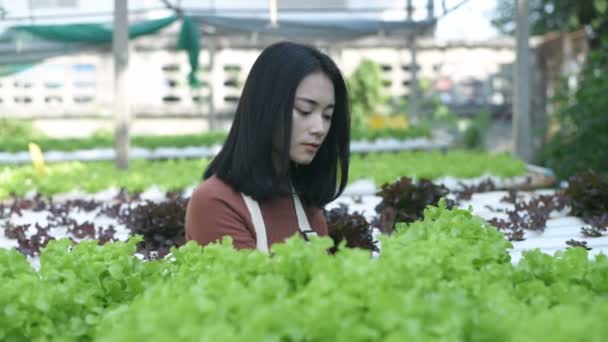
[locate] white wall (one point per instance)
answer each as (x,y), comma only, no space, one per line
(158,78)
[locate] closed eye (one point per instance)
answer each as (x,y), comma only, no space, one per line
(303,112)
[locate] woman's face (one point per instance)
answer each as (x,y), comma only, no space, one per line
(313,109)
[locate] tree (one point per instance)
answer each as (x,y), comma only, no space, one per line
(581,115)
(365,92)
(583,121)
(558,15)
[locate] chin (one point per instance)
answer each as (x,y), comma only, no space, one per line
(303,160)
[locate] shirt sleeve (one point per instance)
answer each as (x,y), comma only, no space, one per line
(209,218)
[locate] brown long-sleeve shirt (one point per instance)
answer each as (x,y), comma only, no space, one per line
(215,210)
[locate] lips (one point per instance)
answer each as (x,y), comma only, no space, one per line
(311,146)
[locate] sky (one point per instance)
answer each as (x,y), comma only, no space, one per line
(469,22)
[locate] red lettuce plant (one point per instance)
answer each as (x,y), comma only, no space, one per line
(352,228)
(405,201)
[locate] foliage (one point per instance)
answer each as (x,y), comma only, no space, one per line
(74,289)
(558,15)
(10,129)
(417,131)
(162,225)
(388,167)
(583,123)
(432,112)
(582,116)
(17,143)
(588,194)
(531,214)
(352,229)
(97,176)
(474,135)
(365,92)
(445,278)
(179,174)
(16,140)
(405,201)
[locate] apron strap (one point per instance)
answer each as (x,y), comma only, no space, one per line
(260,227)
(303,223)
(261,240)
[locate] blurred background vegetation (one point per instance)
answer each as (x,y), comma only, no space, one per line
(577,133)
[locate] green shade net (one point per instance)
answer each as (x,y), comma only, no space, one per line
(189,37)
(9,69)
(190,41)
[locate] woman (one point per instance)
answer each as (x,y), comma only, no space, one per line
(286,155)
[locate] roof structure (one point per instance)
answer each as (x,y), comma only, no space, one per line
(313,27)
(318,30)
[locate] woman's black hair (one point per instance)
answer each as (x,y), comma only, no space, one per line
(247,161)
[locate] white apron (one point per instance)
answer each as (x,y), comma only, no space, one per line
(260,227)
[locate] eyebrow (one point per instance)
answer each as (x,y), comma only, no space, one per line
(313,102)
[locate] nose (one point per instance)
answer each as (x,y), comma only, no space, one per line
(316,124)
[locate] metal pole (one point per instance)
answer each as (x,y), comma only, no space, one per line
(414,78)
(273,13)
(522,125)
(413,94)
(30,8)
(122,115)
(212,119)
(410,10)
